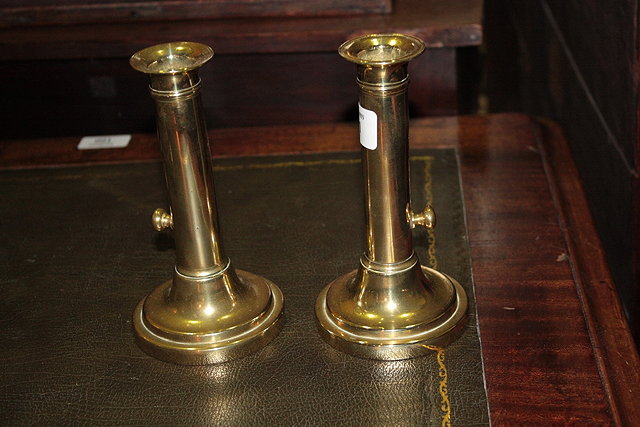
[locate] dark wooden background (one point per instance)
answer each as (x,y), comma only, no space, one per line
(65,80)
(46,12)
(577,63)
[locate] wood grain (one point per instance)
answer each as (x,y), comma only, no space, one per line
(606,320)
(577,64)
(535,341)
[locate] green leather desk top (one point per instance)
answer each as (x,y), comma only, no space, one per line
(78,253)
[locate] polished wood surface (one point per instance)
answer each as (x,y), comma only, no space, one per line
(603,311)
(555,342)
(577,63)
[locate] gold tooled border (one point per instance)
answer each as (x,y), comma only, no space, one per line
(443,388)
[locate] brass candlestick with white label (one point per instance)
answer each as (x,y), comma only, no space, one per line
(209,312)
(391,307)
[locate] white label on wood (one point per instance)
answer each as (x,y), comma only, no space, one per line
(104,141)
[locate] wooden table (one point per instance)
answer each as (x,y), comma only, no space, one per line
(555,343)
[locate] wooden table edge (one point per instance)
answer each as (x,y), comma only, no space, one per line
(611,338)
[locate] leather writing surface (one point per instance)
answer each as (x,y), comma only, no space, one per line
(78,253)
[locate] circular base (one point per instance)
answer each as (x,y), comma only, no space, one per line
(393,344)
(216,346)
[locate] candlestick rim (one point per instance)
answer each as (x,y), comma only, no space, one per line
(403,48)
(171,58)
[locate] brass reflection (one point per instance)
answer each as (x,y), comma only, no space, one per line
(209,312)
(390,307)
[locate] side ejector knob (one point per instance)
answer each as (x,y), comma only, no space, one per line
(426,218)
(161,220)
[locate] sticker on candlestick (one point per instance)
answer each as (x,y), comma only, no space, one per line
(368,128)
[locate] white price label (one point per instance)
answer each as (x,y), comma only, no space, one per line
(368,128)
(104,141)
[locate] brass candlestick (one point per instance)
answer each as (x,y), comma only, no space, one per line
(390,307)
(208,312)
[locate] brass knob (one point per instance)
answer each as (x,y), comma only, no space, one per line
(161,220)
(426,218)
